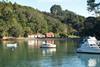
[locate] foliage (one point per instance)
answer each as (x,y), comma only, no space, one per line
(91,27)
(56,10)
(93,6)
(63,35)
(70,19)
(17,20)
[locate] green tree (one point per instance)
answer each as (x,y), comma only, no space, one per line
(56,10)
(15,29)
(93,6)
(17,20)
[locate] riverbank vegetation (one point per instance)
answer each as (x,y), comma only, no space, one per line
(19,21)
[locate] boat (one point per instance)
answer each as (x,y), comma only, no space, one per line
(12,45)
(47,45)
(89,45)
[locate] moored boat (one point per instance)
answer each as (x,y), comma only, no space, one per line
(89,45)
(47,45)
(12,45)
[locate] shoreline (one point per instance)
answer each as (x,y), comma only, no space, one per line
(26,38)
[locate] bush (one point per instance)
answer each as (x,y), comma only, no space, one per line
(63,35)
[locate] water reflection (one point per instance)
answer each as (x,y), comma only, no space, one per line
(48,51)
(12,48)
(50,41)
(34,43)
(28,55)
(9,45)
(90,60)
(37,43)
(31,42)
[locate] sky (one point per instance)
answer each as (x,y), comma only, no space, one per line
(77,6)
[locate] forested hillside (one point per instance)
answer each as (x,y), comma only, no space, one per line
(17,20)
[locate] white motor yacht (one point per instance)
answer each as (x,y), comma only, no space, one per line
(47,45)
(89,45)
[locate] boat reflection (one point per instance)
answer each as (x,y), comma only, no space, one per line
(37,43)
(48,51)
(90,60)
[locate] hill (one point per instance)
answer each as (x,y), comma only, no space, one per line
(17,20)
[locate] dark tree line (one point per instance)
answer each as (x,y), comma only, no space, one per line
(92,24)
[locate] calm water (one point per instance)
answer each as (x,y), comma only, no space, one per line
(28,54)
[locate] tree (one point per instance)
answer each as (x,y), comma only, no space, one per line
(17,20)
(93,6)
(56,10)
(15,28)
(90,22)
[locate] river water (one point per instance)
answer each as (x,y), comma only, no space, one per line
(29,54)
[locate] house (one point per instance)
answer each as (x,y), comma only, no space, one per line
(31,36)
(50,34)
(38,35)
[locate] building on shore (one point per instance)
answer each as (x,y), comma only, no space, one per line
(50,34)
(38,35)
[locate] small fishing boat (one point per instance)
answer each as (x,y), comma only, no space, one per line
(12,45)
(89,45)
(47,45)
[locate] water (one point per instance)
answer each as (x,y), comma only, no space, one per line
(28,54)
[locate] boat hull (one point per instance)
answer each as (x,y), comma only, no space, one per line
(89,51)
(48,46)
(12,45)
